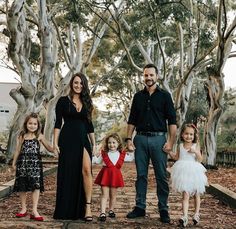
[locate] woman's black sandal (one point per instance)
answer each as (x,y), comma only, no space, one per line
(102,217)
(111,214)
(88,218)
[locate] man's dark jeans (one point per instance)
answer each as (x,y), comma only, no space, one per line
(150,147)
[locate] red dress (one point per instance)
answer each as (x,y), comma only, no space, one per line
(110,174)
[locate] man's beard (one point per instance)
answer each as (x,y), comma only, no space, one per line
(150,85)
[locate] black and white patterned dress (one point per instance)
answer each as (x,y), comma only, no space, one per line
(29,169)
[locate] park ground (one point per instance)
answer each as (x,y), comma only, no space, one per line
(214,213)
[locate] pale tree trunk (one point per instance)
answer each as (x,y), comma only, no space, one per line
(36,87)
(215,84)
(75,62)
(18,51)
(215,87)
(185,88)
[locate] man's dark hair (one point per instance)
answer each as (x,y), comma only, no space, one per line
(151,66)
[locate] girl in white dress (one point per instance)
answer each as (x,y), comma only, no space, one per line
(188,174)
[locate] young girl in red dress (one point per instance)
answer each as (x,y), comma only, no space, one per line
(110,176)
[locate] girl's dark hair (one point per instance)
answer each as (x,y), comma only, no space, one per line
(85,93)
(116,137)
(189,125)
(25,130)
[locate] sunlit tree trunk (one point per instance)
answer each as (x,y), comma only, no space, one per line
(36,87)
(215,83)
(215,87)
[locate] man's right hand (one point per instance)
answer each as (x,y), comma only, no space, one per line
(130,146)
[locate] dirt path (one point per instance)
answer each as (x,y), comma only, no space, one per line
(214,214)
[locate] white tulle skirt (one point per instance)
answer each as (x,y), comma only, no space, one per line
(188,176)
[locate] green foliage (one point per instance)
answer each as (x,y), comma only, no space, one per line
(119,128)
(35,54)
(206,38)
(30,2)
(76,12)
(174,11)
(227,139)
(198,105)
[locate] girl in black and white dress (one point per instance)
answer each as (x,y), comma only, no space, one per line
(28,165)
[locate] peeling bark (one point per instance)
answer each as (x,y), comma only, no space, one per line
(36,87)
(215,84)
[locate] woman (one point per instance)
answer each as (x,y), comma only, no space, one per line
(73,143)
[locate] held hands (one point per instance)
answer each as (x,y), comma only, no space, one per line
(167,148)
(130,146)
(56,149)
(94,151)
(13,166)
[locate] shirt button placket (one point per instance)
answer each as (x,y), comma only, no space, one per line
(148,110)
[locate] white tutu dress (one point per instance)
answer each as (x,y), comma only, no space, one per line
(187,174)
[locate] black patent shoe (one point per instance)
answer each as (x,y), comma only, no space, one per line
(137,212)
(111,214)
(102,217)
(164,216)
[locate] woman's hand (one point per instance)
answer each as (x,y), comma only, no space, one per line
(56,149)
(94,150)
(13,166)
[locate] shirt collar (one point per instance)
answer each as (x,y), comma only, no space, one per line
(146,91)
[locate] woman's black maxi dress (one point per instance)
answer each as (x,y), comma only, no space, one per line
(73,138)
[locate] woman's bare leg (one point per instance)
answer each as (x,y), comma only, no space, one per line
(88,182)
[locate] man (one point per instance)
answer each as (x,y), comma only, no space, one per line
(152,108)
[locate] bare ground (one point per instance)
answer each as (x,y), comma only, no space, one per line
(214,213)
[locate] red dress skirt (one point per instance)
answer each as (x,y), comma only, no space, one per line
(110,175)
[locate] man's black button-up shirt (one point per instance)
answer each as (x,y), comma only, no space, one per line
(152,112)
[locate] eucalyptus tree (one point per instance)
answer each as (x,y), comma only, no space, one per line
(36,84)
(155,29)
(226,35)
(180,37)
(51,30)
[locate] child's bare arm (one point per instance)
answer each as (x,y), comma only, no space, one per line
(197,152)
(17,152)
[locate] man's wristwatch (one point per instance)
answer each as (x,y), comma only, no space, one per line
(128,139)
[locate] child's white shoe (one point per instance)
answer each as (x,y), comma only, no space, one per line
(183,221)
(196,218)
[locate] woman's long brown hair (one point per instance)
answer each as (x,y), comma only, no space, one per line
(85,93)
